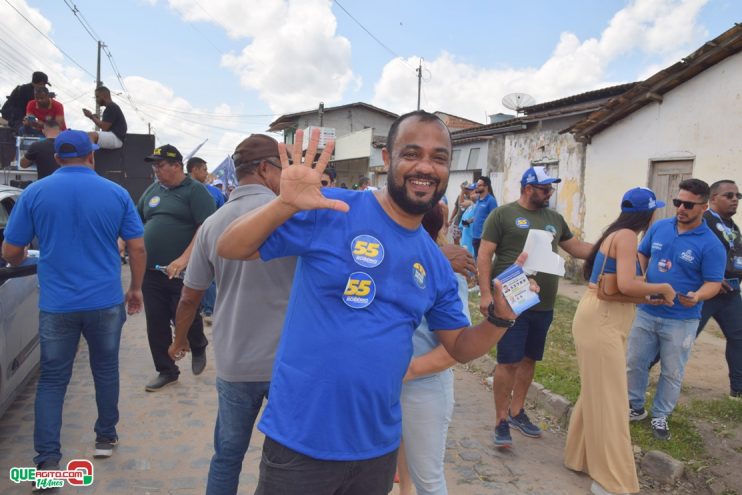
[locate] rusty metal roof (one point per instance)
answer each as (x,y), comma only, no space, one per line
(652,89)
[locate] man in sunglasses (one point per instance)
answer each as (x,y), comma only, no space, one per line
(683,252)
(726,306)
(172,209)
(504,235)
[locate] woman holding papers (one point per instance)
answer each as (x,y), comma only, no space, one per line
(598,441)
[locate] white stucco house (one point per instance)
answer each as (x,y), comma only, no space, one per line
(684,121)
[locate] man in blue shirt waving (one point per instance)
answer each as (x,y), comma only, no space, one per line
(685,253)
(77,217)
(367,274)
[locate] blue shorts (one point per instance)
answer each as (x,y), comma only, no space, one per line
(526,338)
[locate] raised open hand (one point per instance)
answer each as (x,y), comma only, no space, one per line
(301,182)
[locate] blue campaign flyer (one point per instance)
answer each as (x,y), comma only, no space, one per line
(517,289)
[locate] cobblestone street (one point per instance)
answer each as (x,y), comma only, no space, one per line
(166,437)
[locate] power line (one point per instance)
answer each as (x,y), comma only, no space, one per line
(372,35)
(84,22)
(209,114)
(49,39)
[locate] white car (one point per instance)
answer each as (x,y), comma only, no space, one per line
(19,314)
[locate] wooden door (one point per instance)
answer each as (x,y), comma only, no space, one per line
(665,181)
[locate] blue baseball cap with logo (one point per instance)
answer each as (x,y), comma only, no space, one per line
(640,199)
(73,144)
(537,176)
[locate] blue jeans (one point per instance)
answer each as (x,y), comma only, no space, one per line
(427,408)
(674,341)
(59,335)
(239,405)
(209,300)
(726,309)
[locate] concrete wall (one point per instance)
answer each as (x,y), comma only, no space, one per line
(354,145)
(561,152)
(701,119)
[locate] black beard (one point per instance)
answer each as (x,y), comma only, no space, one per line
(399,195)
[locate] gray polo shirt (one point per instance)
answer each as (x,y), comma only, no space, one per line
(252,296)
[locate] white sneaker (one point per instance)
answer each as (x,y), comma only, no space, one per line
(597,489)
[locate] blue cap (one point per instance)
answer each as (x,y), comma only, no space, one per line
(537,176)
(472,186)
(640,199)
(73,144)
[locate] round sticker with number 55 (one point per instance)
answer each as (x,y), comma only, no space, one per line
(360,290)
(367,251)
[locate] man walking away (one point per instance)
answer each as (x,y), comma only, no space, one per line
(77,217)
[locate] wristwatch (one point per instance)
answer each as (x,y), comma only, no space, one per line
(496,320)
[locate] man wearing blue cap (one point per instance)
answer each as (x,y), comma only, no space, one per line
(504,235)
(77,217)
(685,253)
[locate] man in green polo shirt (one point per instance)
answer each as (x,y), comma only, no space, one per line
(504,236)
(172,210)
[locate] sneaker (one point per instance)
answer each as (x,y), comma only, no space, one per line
(160,381)
(735,395)
(198,362)
(104,447)
(503,440)
(597,489)
(637,414)
(46,466)
(522,423)
(660,430)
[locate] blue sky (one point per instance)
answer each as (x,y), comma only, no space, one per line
(224,68)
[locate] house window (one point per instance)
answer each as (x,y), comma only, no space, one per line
(455,156)
(473,162)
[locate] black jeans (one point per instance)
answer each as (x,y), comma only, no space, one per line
(287,472)
(161,296)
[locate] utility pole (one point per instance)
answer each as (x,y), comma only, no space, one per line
(98,82)
(321,113)
(149,127)
(419,81)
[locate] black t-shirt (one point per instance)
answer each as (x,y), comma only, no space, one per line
(115,116)
(42,154)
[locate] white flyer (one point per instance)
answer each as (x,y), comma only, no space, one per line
(541,258)
(517,289)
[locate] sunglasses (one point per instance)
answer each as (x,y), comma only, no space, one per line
(732,195)
(546,189)
(688,205)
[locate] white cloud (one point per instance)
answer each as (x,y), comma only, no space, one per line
(23,50)
(659,28)
(294,58)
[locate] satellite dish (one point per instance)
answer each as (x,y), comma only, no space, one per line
(518,101)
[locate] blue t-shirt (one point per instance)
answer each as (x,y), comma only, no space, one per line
(77,217)
(217,194)
(362,285)
(483,207)
(684,261)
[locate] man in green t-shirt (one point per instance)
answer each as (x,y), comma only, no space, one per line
(172,209)
(504,236)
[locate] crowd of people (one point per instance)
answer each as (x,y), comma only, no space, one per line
(343,311)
